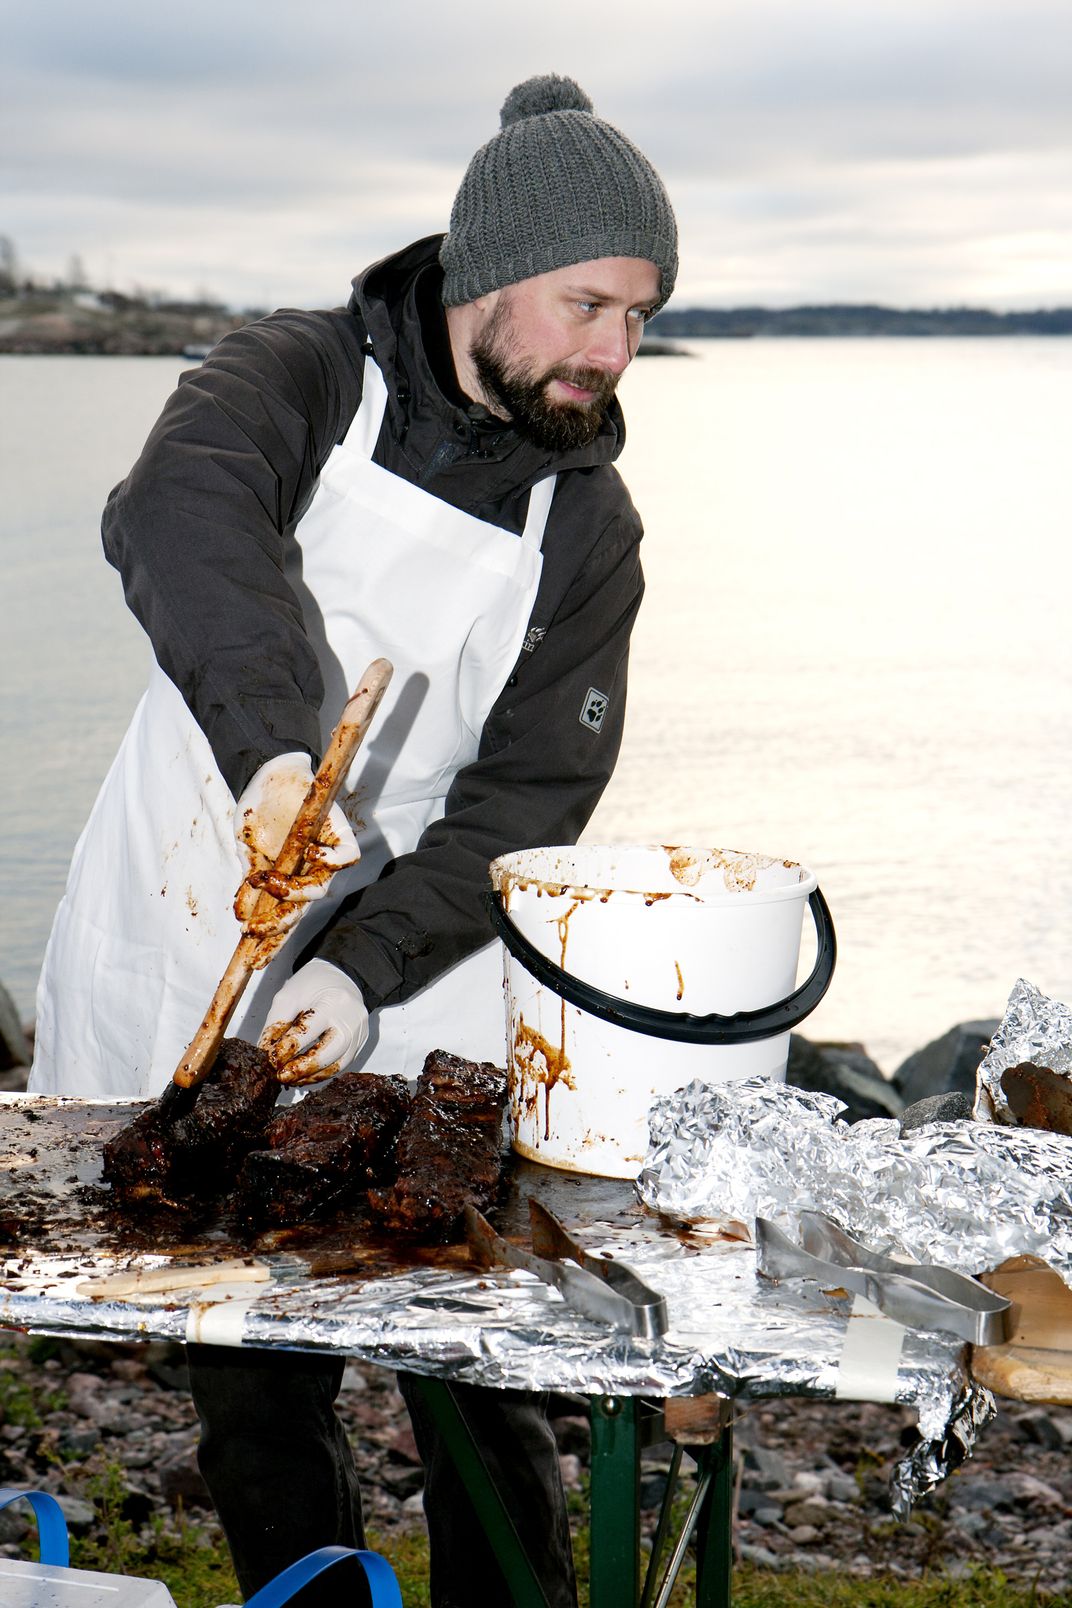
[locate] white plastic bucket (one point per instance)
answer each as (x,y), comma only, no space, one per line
(629,971)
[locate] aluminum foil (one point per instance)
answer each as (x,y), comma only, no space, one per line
(729,1332)
(1034,1028)
(932,1459)
(963,1194)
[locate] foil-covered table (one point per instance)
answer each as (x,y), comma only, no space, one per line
(340,1287)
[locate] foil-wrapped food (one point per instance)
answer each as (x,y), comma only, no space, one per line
(968,1193)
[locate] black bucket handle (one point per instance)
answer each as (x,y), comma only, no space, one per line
(743,1027)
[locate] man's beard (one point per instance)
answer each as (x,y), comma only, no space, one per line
(554,426)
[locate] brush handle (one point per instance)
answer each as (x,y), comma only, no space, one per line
(346,739)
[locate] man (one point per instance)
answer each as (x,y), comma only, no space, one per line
(426,475)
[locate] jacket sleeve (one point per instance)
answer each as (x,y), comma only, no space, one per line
(537,778)
(198,528)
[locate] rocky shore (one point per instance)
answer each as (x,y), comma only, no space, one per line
(110,1430)
(49,324)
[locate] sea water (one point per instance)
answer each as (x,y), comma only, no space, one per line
(853,651)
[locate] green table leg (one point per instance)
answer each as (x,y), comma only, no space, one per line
(614,1580)
(525,1588)
(714,1539)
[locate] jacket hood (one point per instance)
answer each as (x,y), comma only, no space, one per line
(385,298)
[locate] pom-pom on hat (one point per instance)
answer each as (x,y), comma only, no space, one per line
(557,185)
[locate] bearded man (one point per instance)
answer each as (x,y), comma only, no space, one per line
(425,475)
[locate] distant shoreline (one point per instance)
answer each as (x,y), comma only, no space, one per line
(65,324)
(835,320)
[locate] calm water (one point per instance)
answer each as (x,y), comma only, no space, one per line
(854,650)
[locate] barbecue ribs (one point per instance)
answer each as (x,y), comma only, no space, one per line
(322,1150)
(449,1153)
(190,1141)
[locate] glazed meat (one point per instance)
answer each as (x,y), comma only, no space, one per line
(320,1151)
(191,1141)
(449,1153)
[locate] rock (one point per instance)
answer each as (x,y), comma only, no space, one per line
(81,1516)
(181,1484)
(1037,1425)
(573,1435)
(813,1562)
(812,1511)
(652,1489)
(761,1557)
(15,1521)
(15,1051)
(812,1481)
(767,1470)
(982,1492)
(571,1470)
(803,1534)
(137,1505)
(953,1107)
(78,1441)
(401,1479)
(946,1064)
(845,1071)
(842,1488)
(402,1446)
(1034,1493)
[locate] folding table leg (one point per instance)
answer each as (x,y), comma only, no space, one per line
(615,1502)
(525,1588)
(713,1534)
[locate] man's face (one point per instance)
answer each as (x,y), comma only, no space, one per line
(552,348)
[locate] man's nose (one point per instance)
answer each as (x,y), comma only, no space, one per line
(610,347)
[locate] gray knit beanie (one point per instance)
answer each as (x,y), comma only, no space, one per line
(557,185)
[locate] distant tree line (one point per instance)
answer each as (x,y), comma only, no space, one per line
(21,284)
(857,319)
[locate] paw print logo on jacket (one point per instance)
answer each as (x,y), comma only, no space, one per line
(594,708)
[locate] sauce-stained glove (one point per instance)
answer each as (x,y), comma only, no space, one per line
(317,1023)
(264,815)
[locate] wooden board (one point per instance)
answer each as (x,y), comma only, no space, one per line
(1035,1364)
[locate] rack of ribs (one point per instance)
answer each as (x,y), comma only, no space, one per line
(326,1147)
(449,1153)
(189,1142)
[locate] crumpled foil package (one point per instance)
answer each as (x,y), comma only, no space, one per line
(940,1449)
(966,1195)
(1034,1028)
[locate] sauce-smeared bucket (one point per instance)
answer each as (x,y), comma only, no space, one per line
(630,971)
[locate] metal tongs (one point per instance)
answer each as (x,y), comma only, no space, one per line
(916,1294)
(596,1286)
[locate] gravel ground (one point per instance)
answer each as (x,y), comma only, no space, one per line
(812,1477)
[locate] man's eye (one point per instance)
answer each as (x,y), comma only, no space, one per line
(640,314)
(588,306)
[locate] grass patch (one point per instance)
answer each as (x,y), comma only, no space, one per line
(20,1403)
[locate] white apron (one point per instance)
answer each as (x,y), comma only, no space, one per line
(146,926)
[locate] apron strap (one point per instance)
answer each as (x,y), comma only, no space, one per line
(364,432)
(539,508)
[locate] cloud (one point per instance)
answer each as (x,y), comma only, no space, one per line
(880,150)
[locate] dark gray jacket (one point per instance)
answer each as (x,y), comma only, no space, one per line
(199,529)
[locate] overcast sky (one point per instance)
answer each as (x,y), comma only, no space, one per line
(916,152)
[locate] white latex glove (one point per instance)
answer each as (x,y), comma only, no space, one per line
(263,817)
(317,1023)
